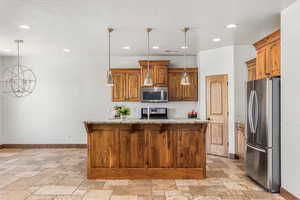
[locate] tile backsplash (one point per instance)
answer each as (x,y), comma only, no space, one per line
(175,109)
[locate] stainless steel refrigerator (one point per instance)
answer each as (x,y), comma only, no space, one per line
(263,132)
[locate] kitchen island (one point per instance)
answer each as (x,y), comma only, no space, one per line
(142,148)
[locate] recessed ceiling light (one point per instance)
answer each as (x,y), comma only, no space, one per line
(24,26)
(216,40)
(231,26)
(155,47)
(7,50)
(127,48)
(184,47)
(67,50)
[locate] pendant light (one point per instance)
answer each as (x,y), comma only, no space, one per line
(109,79)
(148,79)
(185,79)
(18,80)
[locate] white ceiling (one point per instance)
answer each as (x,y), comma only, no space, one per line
(80,25)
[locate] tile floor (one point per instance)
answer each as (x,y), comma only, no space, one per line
(60,174)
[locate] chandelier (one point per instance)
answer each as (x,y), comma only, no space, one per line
(18,80)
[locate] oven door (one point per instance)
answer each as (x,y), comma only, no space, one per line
(154,95)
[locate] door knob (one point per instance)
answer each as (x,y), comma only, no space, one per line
(208,118)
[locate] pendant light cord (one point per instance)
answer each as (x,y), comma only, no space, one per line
(109,49)
(184,52)
(148,53)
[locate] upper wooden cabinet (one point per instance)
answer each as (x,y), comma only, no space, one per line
(251,64)
(268,56)
(158,70)
(126,85)
(179,92)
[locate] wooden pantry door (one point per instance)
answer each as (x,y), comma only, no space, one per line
(217,114)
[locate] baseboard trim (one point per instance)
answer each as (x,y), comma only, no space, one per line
(287,195)
(42,146)
(233,156)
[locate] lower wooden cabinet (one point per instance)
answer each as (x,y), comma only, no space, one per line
(240,140)
(126,85)
(179,92)
(166,151)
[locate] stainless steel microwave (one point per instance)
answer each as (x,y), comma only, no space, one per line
(154,94)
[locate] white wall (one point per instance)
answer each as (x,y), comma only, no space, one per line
(217,62)
(228,60)
(242,53)
(290,109)
(70,90)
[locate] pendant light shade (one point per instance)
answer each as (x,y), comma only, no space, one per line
(185,79)
(148,79)
(109,79)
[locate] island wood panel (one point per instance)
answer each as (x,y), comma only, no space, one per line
(118,151)
(190,149)
(105,148)
(132,148)
(162,148)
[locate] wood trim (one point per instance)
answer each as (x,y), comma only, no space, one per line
(251,62)
(146,173)
(1,146)
(42,146)
(287,195)
(193,69)
(154,62)
(125,70)
(268,39)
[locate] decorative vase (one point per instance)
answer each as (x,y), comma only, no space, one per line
(123,117)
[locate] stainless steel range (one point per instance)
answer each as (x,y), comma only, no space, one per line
(263,133)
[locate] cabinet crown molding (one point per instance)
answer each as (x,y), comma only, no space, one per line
(154,62)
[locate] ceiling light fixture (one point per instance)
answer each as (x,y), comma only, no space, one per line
(127,47)
(216,40)
(67,50)
(231,26)
(18,80)
(24,26)
(109,78)
(185,79)
(148,79)
(7,50)
(155,47)
(184,47)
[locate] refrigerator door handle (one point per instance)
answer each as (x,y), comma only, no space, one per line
(250,119)
(257,149)
(256,112)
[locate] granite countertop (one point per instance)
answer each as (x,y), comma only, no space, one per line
(149,121)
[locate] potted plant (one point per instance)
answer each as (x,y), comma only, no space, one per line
(123,112)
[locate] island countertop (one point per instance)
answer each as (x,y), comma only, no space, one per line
(149,121)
